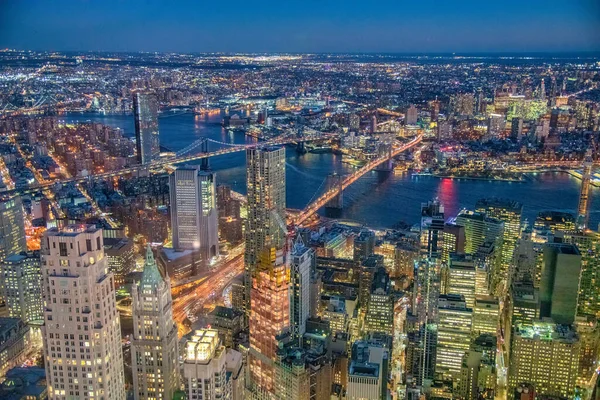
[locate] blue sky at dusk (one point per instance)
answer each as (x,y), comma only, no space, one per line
(308,26)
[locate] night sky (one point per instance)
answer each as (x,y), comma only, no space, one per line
(421,26)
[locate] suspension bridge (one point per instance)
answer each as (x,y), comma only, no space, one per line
(180,157)
(183,156)
(348,180)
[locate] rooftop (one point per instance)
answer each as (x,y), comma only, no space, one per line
(72,230)
(24,383)
(226,312)
(546,330)
(495,202)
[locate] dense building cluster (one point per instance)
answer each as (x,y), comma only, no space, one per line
(129,269)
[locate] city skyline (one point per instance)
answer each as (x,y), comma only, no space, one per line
(429,27)
(300,226)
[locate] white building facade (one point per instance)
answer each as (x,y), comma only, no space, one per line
(81,332)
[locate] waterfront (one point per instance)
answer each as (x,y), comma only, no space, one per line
(375,200)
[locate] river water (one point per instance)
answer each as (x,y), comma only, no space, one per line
(374,200)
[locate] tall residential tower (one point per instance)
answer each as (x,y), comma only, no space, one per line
(145,110)
(81,332)
(265,178)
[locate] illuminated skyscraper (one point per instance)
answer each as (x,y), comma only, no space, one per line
(524,303)
(22,282)
(12,227)
(427,290)
(205,367)
(554,221)
(479,230)
(486,315)
(453,240)
(588,244)
(269,316)
(380,309)
(145,110)
(432,226)
(81,332)
(265,181)
(462,277)
(454,335)
(368,372)
(583,209)
(194,214)
(509,212)
(154,355)
(478,373)
(302,261)
(545,355)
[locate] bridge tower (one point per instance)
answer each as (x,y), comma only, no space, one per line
(385,150)
(300,148)
(335,205)
(204,164)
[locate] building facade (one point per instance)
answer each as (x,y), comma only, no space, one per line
(204,367)
(22,282)
(301,265)
(81,332)
(145,110)
(269,317)
(194,214)
(154,355)
(265,182)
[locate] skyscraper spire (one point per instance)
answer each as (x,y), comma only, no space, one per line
(151,276)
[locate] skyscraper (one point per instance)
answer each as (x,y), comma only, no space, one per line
(478,372)
(81,332)
(432,226)
(368,371)
(154,355)
(509,212)
(426,291)
(588,243)
(583,209)
(265,182)
(204,367)
(12,227)
(364,245)
(145,110)
(269,316)
(380,309)
(545,355)
(302,261)
(486,315)
(194,214)
(559,286)
(22,282)
(454,335)
(461,277)
(479,230)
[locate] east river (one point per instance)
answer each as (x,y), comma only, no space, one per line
(374,200)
